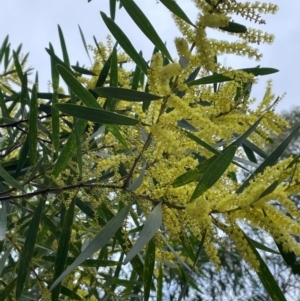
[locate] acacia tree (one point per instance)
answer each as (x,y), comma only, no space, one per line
(128,180)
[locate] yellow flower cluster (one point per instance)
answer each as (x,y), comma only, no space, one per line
(215,113)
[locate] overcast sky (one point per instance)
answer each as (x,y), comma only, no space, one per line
(34,24)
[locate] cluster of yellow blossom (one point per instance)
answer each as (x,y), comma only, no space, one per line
(215,112)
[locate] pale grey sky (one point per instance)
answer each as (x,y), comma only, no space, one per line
(34,23)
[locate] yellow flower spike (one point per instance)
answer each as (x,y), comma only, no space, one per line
(213,20)
(182,47)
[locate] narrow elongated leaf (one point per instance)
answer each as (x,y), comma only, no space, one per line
(111,102)
(194,174)
(214,172)
(136,77)
(271,160)
(159,291)
(3,225)
(96,115)
(124,243)
(22,156)
(82,93)
(260,246)
(54,112)
(3,259)
(97,243)
(68,149)
(125,94)
(57,60)
(149,268)
(189,278)
(89,100)
(112,8)
(104,73)
(63,46)
(69,293)
(290,258)
(151,226)
(115,130)
(82,70)
(201,142)
(45,95)
(9,179)
(125,43)
(84,43)
(176,10)
(238,142)
(145,26)
(63,247)
(139,180)
(219,78)
(265,275)
(18,66)
(234,28)
(27,251)
(5,293)
(186,125)
(33,123)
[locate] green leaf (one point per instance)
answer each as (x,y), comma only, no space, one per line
(136,77)
(115,130)
(9,179)
(201,142)
(194,174)
(3,225)
(27,252)
(82,93)
(24,94)
(63,46)
(219,78)
(290,258)
(265,275)
(151,226)
(125,43)
(234,28)
(238,142)
(63,247)
(69,293)
(113,80)
(112,8)
(176,10)
(45,95)
(6,292)
(33,123)
(68,149)
(145,26)
(262,247)
(97,243)
(22,156)
(189,279)
(82,70)
(84,43)
(96,115)
(104,73)
(149,268)
(214,172)
(139,180)
(54,112)
(159,291)
(125,94)
(57,60)
(271,160)
(18,66)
